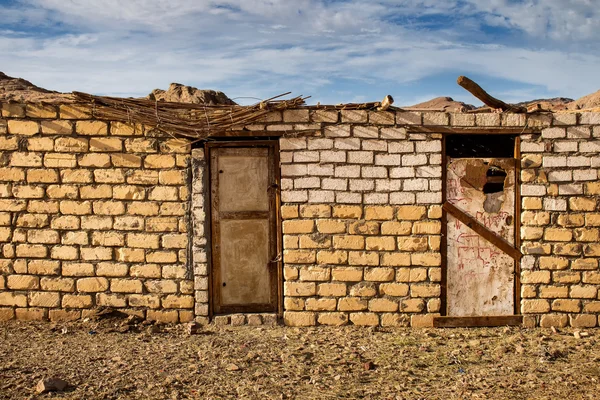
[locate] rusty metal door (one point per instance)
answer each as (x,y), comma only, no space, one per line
(245,265)
(480,229)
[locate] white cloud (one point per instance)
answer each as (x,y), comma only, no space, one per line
(264,47)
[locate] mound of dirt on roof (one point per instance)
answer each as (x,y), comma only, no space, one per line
(591,101)
(187,94)
(553,104)
(21,90)
(445,104)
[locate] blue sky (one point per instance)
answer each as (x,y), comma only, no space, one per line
(334,50)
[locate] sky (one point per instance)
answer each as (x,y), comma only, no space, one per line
(336,51)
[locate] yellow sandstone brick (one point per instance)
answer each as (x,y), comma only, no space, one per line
(289,212)
(352,304)
(56,127)
(426,259)
(92,284)
(315,211)
(125,286)
(379,213)
(364,319)
(299,289)
(531,203)
(58,284)
(320,304)
(332,257)
(295,318)
(364,228)
(40,144)
(92,128)
(383,305)
(379,274)
(97,160)
(380,243)
(42,176)
(331,226)
(394,289)
(396,259)
(558,235)
(566,305)
(363,258)
(298,226)
(76,301)
(425,290)
(396,228)
(145,271)
(25,128)
(96,192)
(349,212)
(347,274)
(332,319)
(44,299)
(112,270)
(411,213)
(535,306)
(582,204)
(427,228)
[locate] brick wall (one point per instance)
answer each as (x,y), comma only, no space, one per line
(97,213)
(93,213)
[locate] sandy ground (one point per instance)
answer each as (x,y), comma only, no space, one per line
(111,360)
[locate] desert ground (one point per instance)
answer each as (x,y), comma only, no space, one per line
(116,359)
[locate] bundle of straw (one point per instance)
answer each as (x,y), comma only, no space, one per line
(196,121)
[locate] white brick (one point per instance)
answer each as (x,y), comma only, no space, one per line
(401,147)
(307,183)
(294,196)
(431,146)
(320,144)
(579,161)
(402,198)
(412,185)
(361,185)
(554,161)
(388,185)
(532,147)
(320,169)
(435,184)
(395,133)
(348,197)
(436,118)
(435,159)
(565,119)
(569,189)
(294,170)
(369,132)
(374,172)
(347,171)
(333,156)
(287,184)
(292,143)
(487,119)
(560,176)
(595,162)
(585,175)
(375,145)
(402,172)
(554,133)
(387,159)
(555,204)
(360,157)
(563,146)
(337,131)
(306,156)
(321,196)
(334,184)
(589,146)
(414,159)
(427,171)
(578,132)
(533,190)
(376,198)
(589,118)
(347,143)
(429,197)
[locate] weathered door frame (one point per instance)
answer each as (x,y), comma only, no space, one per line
(449,321)
(275,209)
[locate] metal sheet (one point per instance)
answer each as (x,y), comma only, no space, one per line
(245,261)
(480,277)
(243,183)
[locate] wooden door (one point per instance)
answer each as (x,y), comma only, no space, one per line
(245,266)
(480,229)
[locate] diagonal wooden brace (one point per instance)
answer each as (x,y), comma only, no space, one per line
(480,229)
